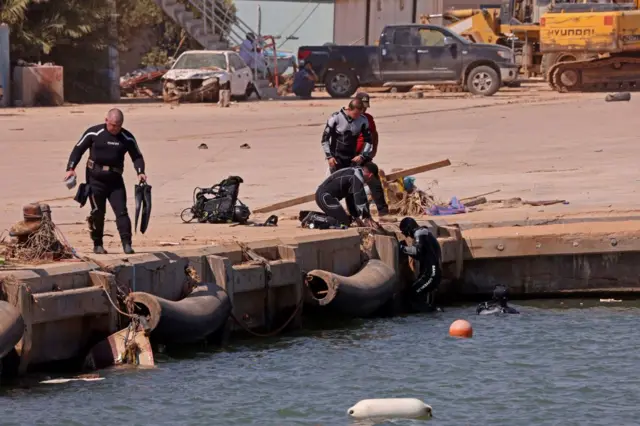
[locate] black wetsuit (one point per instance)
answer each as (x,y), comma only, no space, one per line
(104,176)
(345,184)
(340,141)
(495,307)
(426,250)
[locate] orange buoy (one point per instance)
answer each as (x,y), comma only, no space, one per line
(461,328)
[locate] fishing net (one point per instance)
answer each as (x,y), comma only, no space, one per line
(44,244)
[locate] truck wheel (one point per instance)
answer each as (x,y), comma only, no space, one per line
(341,84)
(483,80)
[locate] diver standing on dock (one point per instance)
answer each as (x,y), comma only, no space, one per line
(108,144)
(426,250)
(342,150)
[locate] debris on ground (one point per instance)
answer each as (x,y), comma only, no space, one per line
(203,146)
(517,202)
(143,83)
(35,239)
(454,207)
(285,85)
(405,198)
(245,146)
(618,97)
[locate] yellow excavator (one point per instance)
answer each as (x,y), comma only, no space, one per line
(605,39)
(514,24)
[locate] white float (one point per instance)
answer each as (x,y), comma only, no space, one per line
(81,379)
(388,408)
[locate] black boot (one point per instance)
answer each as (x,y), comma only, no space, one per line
(99,249)
(127,248)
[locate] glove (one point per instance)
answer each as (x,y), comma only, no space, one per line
(402,246)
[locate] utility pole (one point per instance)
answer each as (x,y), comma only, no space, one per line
(114,57)
(5,67)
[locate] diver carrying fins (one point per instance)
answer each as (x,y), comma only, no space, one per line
(143,202)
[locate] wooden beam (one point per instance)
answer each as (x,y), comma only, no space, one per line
(391,176)
(417,170)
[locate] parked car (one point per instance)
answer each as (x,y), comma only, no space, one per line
(199,75)
(413,54)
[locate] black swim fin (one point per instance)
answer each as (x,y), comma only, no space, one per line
(139,193)
(146,207)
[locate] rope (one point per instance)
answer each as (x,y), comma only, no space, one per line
(267,277)
(272,333)
(116,307)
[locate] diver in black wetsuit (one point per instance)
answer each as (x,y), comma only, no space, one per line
(426,250)
(497,305)
(108,143)
(347,184)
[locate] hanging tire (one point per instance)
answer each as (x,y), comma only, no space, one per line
(340,83)
(483,80)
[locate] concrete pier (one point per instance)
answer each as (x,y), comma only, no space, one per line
(65,306)
(587,246)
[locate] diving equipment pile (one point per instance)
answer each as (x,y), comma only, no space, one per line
(218,204)
(36,238)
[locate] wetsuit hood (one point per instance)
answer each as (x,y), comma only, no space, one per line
(501,295)
(408,225)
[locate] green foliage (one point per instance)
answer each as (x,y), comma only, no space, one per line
(38,27)
(74,34)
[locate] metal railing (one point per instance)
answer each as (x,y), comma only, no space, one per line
(220,18)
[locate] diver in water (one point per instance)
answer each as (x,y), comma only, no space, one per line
(426,250)
(497,305)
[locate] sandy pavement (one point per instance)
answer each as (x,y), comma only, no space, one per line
(529,142)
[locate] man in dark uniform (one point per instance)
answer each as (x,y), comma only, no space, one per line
(348,184)
(107,144)
(340,144)
(426,250)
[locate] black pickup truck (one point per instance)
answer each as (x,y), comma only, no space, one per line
(413,54)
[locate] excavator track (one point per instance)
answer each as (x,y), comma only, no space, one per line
(616,73)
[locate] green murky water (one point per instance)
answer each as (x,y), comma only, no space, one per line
(559,363)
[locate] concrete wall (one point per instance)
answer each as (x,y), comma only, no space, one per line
(66,308)
(546,275)
(350,22)
(38,85)
(388,12)
(354,19)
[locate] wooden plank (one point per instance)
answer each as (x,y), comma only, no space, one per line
(391,176)
(479,195)
(418,169)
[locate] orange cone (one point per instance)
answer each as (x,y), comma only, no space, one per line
(461,328)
